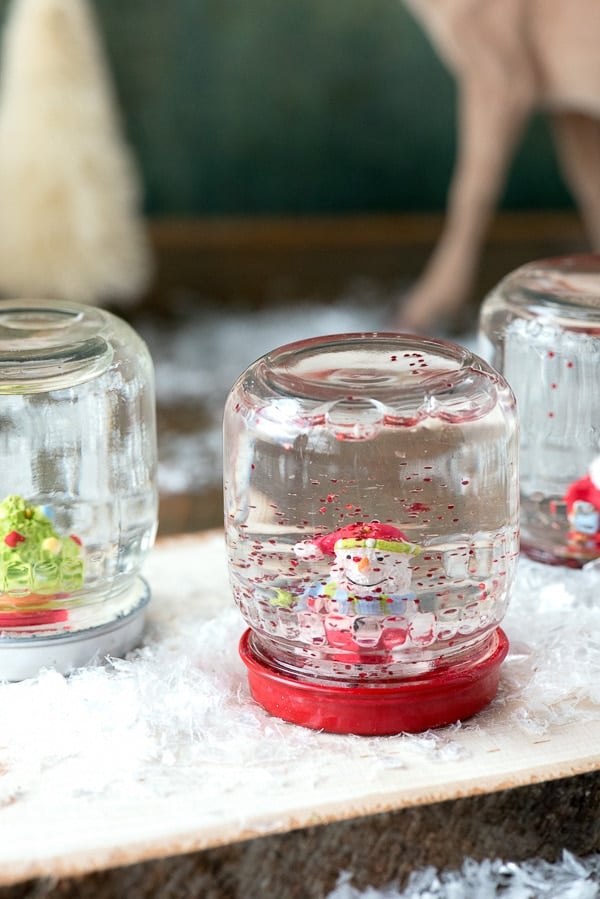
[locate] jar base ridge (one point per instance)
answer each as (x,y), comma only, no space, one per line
(25,656)
(436,699)
(547,557)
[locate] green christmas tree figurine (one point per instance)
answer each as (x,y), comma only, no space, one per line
(36,563)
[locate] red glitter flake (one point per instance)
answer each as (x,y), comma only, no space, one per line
(322,510)
(464,482)
(550,414)
(551,354)
(13,539)
(553,386)
(418,507)
(393,358)
(331,497)
(569,365)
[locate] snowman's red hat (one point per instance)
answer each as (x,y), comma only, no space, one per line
(370,535)
(585,489)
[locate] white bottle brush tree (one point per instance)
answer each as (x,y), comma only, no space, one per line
(70,220)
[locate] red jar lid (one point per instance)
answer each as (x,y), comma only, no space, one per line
(435,699)
(31,618)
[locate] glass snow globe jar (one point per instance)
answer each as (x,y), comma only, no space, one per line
(542,327)
(78,499)
(371,518)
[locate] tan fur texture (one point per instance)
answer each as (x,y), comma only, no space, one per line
(70,226)
(509,57)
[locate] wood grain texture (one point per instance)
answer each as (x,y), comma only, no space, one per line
(259,261)
(539,820)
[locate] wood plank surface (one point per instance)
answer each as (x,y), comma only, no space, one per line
(381,806)
(261,260)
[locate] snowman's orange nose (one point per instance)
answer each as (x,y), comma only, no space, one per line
(363,565)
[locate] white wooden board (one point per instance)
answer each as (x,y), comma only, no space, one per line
(167,753)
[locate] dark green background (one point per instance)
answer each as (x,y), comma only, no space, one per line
(293,106)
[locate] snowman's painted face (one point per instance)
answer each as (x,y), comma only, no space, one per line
(367,570)
(584,517)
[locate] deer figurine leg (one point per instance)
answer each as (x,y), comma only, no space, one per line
(577,138)
(490,126)
(496,95)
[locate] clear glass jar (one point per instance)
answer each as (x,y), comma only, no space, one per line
(371,518)
(542,327)
(78,497)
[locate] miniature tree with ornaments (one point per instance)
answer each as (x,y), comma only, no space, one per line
(70,226)
(78,496)
(37,565)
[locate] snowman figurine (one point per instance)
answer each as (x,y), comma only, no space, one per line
(366,601)
(583,511)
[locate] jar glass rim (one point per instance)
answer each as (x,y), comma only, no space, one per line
(46,344)
(376,365)
(562,287)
